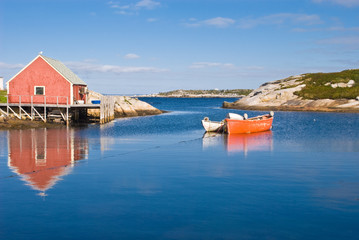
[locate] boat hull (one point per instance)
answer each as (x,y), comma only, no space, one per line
(211,126)
(248,126)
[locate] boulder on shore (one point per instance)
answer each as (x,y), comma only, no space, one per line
(125,106)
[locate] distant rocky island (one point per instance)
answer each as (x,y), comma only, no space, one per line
(213,93)
(329,92)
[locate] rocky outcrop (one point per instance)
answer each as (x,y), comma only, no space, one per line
(125,106)
(280,95)
(349,84)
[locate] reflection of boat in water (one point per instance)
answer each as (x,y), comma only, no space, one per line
(212,139)
(261,141)
(42,156)
(235,123)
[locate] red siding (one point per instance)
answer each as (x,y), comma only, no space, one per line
(39,73)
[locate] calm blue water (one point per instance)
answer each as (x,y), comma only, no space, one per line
(160,177)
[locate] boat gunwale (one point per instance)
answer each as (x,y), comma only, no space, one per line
(267,117)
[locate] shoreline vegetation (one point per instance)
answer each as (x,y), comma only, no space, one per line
(212,93)
(320,92)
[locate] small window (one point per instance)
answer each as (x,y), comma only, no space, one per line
(39,90)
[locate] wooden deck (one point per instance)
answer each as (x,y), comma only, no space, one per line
(65,112)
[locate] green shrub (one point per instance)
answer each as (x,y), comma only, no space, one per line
(315,85)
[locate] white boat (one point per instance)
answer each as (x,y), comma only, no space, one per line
(235,116)
(211,126)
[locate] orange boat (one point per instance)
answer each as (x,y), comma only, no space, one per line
(250,125)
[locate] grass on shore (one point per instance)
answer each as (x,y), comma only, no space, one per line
(315,85)
(3,97)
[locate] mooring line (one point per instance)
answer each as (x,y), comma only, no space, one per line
(105,157)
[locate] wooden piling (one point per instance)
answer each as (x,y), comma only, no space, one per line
(107,109)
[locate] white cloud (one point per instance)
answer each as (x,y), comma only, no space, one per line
(149,4)
(122,12)
(247,23)
(152,19)
(346,3)
(219,22)
(198,65)
(352,41)
(10,66)
(90,60)
(254,68)
(279,19)
(216,22)
(86,67)
(131,56)
(328,29)
(132,9)
(113,4)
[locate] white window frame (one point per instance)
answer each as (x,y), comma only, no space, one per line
(39,87)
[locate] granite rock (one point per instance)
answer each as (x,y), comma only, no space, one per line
(280,95)
(125,106)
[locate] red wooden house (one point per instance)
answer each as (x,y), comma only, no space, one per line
(46,80)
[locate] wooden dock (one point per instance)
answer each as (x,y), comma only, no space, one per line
(58,111)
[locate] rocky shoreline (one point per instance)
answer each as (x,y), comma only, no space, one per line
(282,95)
(315,107)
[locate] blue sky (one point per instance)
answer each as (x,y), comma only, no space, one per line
(149,46)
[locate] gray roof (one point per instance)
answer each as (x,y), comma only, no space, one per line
(64,71)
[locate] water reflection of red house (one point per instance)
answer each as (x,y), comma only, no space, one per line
(42,156)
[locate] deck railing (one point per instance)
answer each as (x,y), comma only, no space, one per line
(38,99)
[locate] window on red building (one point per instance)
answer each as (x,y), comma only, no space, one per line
(39,90)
